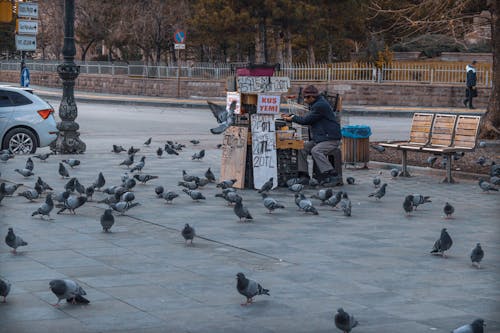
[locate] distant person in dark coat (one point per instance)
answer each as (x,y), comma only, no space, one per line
(326,136)
(470,83)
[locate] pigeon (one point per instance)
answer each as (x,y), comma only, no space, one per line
(194,141)
(70,185)
(159,191)
(394,173)
(89,192)
(69,290)
(376,180)
(43,157)
(29,164)
(188,185)
(127,197)
(334,200)
(123,206)
(431,160)
(107,220)
(71,203)
(72,162)
(458,155)
(495,180)
(419,199)
(9,189)
(169,196)
(31,194)
(159,152)
(133,151)
(195,195)
(79,187)
(379,193)
(188,233)
(313,182)
(486,187)
(448,210)
(201,181)
(148,142)
(128,161)
(476,255)
(270,203)
(323,195)
(481,161)
(350,180)
(144,178)
(4,289)
(63,172)
(305,204)
(296,188)
(378,148)
(43,185)
(199,155)
(61,196)
(24,172)
(344,321)
(45,208)
(442,244)
(170,150)
(118,149)
(475,327)
(14,241)
(187,177)
(345,204)
(219,146)
(301,180)
(230,196)
(210,175)
(100,182)
(249,288)
(267,186)
(2,191)
(226,183)
(139,165)
(224,116)
(129,184)
(494,170)
(6,156)
(241,211)
(408,204)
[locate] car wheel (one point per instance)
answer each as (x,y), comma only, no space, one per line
(20,141)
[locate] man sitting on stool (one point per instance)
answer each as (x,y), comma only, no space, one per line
(326,136)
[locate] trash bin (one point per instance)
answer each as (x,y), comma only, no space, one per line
(356,144)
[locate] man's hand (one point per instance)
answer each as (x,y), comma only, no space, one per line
(286,117)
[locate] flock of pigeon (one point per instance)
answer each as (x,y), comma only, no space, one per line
(121,198)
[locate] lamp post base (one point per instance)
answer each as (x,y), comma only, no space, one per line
(68,142)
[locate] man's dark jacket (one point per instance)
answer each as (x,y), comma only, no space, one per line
(321,118)
(471,77)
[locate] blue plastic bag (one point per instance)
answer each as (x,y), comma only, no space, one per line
(356,131)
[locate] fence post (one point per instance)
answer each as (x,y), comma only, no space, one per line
(432,76)
(113,69)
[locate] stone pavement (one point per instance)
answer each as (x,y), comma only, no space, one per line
(142,278)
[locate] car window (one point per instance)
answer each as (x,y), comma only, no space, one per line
(18,99)
(4,99)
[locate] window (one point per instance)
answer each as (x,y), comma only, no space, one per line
(18,99)
(4,99)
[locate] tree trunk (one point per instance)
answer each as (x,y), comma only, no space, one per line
(86,49)
(490,125)
(288,46)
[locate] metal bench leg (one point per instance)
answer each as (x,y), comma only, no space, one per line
(404,165)
(448,179)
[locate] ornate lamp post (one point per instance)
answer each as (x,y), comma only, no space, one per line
(68,141)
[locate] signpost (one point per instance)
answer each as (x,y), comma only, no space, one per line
(26,30)
(179,38)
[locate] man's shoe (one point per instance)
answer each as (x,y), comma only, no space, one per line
(471,107)
(465,102)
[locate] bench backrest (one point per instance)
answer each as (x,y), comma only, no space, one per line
(443,129)
(421,128)
(466,131)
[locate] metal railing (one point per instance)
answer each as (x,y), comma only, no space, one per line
(409,72)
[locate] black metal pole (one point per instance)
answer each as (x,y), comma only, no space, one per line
(68,140)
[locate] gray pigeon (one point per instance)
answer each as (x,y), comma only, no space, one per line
(139,165)
(481,160)
(323,195)
(79,187)
(267,186)
(350,180)
(107,220)
(477,255)
(148,142)
(128,161)
(296,188)
(224,116)
(379,193)
(43,157)
(29,164)
(201,181)
(6,156)
(305,204)
(345,204)
(334,200)
(72,162)
(159,152)
(194,141)
(448,210)
(378,148)
(442,244)
(118,149)
(249,288)
(14,241)
(344,321)
(188,233)
(241,211)
(145,178)
(159,191)
(63,172)
(210,175)
(494,169)
(89,192)
(129,183)
(187,177)
(44,185)
(133,151)
(4,289)
(45,208)
(230,196)
(486,187)
(475,327)
(495,180)
(419,199)
(226,183)
(188,185)
(61,196)
(69,290)
(195,195)
(169,196)
(31,194)
(199,155)
(170,150)
(24,172)
(408,204)
(127,197)
(270,203)
(394,173)
(376,180)
(9,189)
(123,206)
(431,160)
(71,203)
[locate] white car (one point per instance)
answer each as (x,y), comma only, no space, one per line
(26,121)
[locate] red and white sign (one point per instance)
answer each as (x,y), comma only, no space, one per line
(268,104)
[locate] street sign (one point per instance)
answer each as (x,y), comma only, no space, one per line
(27,27)
(178,46)
(27,9)
(25,43)
(179,37)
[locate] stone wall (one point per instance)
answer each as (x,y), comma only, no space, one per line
(353,93)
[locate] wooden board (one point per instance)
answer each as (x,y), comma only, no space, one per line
(234,151)
(264,160)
